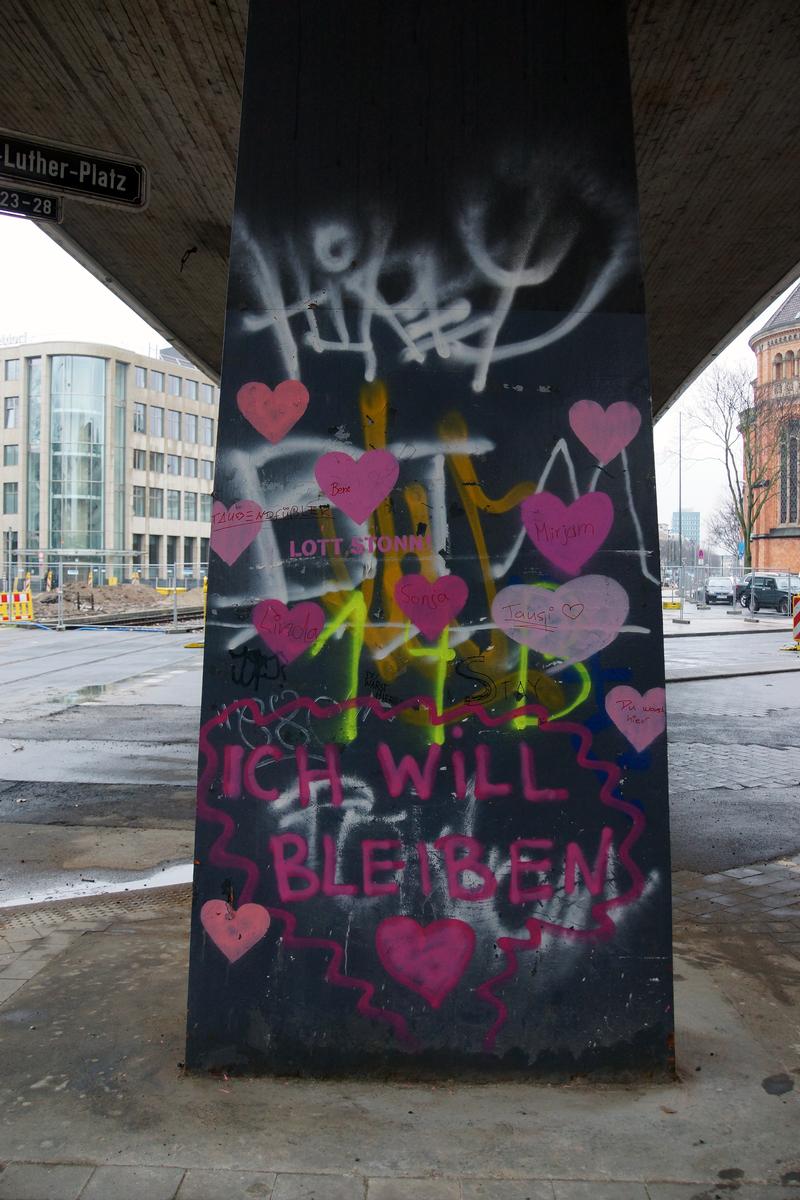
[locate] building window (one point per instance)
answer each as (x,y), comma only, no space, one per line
(790,483)
(121,381)
(205,507)
(138,501)
(157,462)
(173,424)
(77,458)
(157,381)
(10,456)
(140,418)
(156,421)
(154,555)
(207,431)
(173,505)
(140,376)
(156,502)
(190,428)
(777,367)
(11,498)
(12,369)
(204,543)
(11,412)
(172,554)
(140,460)
(138,552)
(190,467)
(174,385)
(190,506)
(207,393)
(173,464)
(190,389)
(206,469)
(788,364)
(189,549)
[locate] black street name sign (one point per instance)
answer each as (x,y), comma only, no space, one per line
(19,202)
(72,170)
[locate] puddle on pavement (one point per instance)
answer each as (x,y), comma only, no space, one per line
(118,885)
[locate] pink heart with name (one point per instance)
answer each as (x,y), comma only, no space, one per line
(234,931)
(357,487)
(288,632)
(571,623)
(273,413)
(234,528)
(567,534)
(431,606)
(640,718)
(605,431)
(428,959)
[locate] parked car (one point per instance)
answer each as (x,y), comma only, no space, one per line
(718,590)
(769,590)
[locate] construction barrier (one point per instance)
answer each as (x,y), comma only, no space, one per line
(16,606)
(796,621)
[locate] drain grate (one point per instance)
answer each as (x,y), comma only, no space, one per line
(94,909)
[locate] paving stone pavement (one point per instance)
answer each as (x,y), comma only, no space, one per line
(758,899)
(45,1181)
(762,898)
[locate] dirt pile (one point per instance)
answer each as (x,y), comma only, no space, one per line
(87,600)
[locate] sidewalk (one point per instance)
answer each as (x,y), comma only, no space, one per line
(96,1104)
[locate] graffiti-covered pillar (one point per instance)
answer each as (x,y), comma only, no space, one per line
(432,827)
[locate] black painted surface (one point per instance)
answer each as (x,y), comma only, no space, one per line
(465,168)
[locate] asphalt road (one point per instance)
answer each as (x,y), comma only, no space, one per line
(111,719)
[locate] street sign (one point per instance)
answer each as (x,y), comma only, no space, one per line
(19,202)
(740,549)
(73,170)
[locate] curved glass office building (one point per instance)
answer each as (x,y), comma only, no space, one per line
(106,462)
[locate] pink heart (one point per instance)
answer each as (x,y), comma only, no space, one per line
(431,606)
(357,488)
(428,960)
(234,528)
(273,413)
(605,431)
(640,718)
(571,623)
(234,931)
(288,632)
(567,535)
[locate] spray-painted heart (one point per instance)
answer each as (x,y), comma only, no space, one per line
(234,931)
(429,959)
(288,632)
(567,534)
(357,488)
(273,413)
(605,431)
(640,718)
(554,623)
(234,528)
(431,606)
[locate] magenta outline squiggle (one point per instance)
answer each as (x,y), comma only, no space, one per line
(219,855)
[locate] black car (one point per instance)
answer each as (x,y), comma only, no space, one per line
(718,590)
(768,591)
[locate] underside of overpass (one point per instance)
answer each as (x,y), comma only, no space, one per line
(716,98)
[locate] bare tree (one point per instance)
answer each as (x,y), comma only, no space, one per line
(744,423)
(724,529)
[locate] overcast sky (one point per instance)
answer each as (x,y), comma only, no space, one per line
(48,295)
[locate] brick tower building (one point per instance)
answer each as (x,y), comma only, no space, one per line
(776,540)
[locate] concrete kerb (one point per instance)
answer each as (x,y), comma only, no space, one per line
(93,1043)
